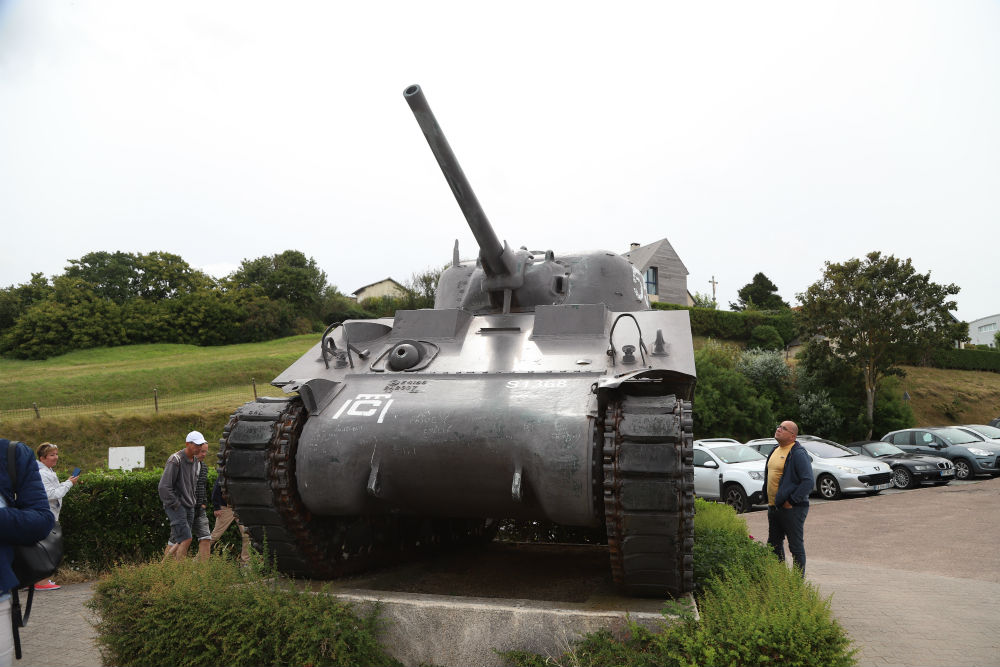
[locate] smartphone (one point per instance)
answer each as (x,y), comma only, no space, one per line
(76,471)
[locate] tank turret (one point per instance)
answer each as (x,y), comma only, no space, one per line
(527,392)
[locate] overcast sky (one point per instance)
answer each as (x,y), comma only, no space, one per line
(763,136)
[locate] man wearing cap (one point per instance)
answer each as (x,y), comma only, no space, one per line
(177,491)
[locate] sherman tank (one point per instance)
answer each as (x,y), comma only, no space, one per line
(540,386)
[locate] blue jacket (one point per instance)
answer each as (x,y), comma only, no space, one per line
(797,481)
(27,522)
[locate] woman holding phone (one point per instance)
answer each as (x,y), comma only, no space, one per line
(48,457)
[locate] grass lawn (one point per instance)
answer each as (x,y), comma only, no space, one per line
(131,372)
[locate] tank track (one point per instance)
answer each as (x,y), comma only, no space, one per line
(257,464)
(649,494)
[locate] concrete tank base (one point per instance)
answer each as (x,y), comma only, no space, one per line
(460,608)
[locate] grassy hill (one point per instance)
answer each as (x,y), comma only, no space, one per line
(120,374)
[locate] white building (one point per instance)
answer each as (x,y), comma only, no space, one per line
(983,330)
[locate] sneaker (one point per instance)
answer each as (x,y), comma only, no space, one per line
(47,586)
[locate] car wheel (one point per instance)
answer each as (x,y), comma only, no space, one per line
(828,487)
(736,498)
(963,469)
(901,478)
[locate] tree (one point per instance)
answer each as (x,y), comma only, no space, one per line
(424,285)
(15,300)
(879,312)
(122,276)
(760,293)
(996,340)
(703,301)
(288,276)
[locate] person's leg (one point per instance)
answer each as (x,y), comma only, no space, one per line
(6,635)
(202,533)
(775,532)
(223,518)
(794,521)
(245,551)
(181,520)
(182,549)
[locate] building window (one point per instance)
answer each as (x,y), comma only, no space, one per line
(986,328)
(651,280)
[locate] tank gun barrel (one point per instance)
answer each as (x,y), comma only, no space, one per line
(491,251)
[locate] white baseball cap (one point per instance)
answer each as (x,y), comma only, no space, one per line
(196,437)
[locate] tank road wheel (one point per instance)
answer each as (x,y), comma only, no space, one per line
(649,494)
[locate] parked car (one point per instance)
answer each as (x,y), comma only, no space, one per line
(991,433)
(908,469)
(971,454)
(836,468)
(741,468)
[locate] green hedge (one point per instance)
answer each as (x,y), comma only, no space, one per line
(967,360)
(732,325)
(114,516)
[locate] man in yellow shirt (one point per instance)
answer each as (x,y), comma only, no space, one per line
(788,481)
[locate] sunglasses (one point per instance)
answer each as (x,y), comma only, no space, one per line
(781,427)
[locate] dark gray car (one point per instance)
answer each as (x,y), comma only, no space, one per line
(971,454)
(908,469)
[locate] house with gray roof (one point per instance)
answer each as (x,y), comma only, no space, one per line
(665,273)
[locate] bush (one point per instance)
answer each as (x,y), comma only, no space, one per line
(216,613)
(766,337)
(725,403)
(754,611)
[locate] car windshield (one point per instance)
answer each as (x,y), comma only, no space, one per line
(826,449)
(737,454)
(881,449)
(956,436)
(988,431)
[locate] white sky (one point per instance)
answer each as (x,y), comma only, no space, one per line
(755,136)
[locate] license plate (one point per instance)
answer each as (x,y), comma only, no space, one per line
(947,473)
(879,487)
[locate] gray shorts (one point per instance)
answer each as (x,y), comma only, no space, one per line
(181,520)
(201,530)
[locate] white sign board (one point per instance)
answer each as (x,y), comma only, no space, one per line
(126,458)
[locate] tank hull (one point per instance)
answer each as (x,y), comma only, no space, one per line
(509,446)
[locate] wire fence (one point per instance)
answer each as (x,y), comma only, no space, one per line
(156,401)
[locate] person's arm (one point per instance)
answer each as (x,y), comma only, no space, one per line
(805,482)
(30,519)
(166,485)
(218,502)
(54,489)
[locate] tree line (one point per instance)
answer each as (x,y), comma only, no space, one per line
(107,299)
(864,317)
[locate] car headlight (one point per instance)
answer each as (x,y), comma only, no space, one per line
(980,452)
(759,476)
(853,471)
(921,467)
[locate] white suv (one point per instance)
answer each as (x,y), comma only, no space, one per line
(725,469)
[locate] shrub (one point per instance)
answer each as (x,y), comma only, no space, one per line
(766,337)
(725,403)
(754,611)
(216,613)
(771,616)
